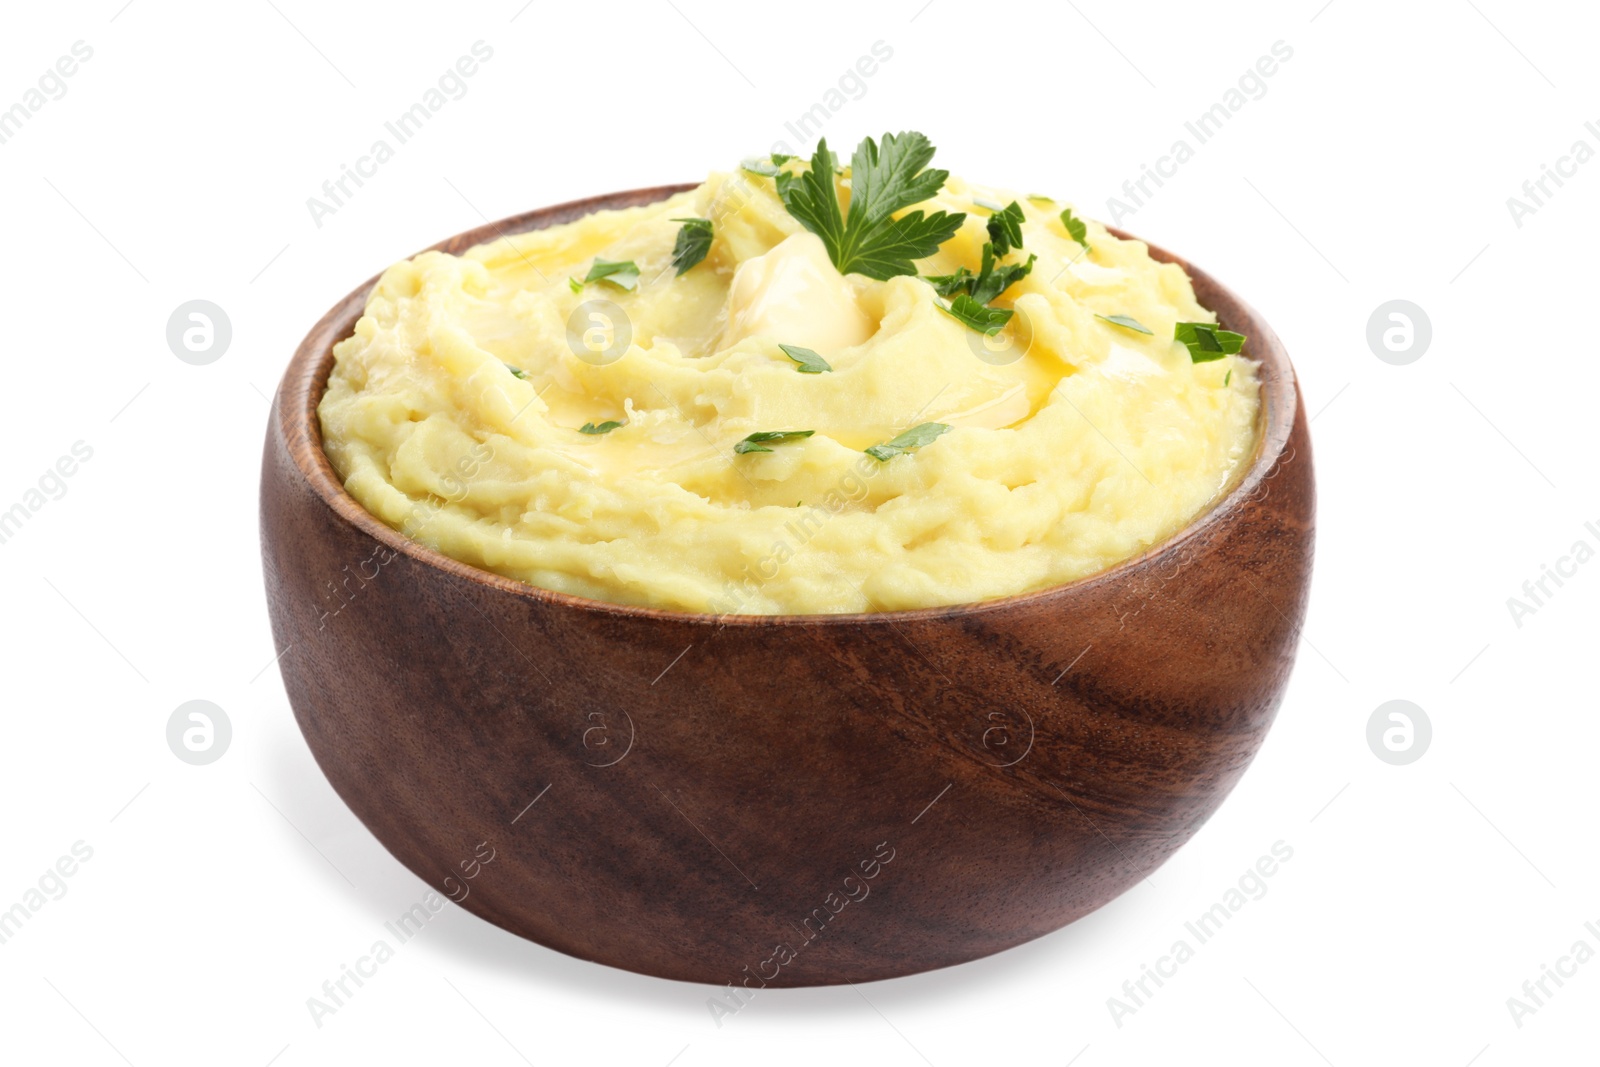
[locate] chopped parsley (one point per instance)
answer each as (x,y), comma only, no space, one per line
(604,427)
(950,284)
(1076,229)
(810,362)
(757,442)
(1005,228)
(868,239)
(769,167)
(574,284)
(1207,342)
(623,274)
(913,438)
(972,293)
(981,317)
(990,281)
(1226,378)
(694,241)
(993,280)
(517,372)
(1127,322)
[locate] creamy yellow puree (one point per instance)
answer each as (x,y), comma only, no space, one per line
(1075,443)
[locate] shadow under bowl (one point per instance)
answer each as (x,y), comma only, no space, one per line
(782,800)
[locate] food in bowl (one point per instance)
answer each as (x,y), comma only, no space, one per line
(803,387)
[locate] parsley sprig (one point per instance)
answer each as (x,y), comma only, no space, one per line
(868,239)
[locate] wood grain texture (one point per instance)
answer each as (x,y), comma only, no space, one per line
(710,788)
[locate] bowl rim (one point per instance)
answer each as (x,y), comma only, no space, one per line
(305,379)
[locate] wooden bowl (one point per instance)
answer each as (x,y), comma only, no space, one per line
(792,800)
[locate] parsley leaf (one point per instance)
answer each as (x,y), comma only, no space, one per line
(810,362)
(868,239)
(981,317)
(1076,229)
(1005,228)
(757,165)
(1127,322)
(754,443)
(913,438)
(694,241)
(988,283)
(974,292)
(947,284)
(1207,342)
(993,280)
(604,427)
(621,273)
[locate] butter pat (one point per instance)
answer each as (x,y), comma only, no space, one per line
(793,295)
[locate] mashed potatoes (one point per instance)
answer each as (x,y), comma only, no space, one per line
(470,410)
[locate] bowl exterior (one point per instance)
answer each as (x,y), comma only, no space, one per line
(793,801)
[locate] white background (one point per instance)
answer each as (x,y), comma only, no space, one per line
(1377,166)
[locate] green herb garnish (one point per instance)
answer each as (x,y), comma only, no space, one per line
(1226,378)
(769,167)
(517,372)
(1207,342)
(621,273)
(972,293)
(694,241)
(913,438)
(868,239)
(604,427)
(993,280)
(1005,228)
(574,284)
(981,317)
(988,283)
(1038,199)
(1076,229)
(810,362)
(1127,322)
(961,281)
(756,441)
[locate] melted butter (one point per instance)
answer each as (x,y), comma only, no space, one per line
(1011,406)
(794,295)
